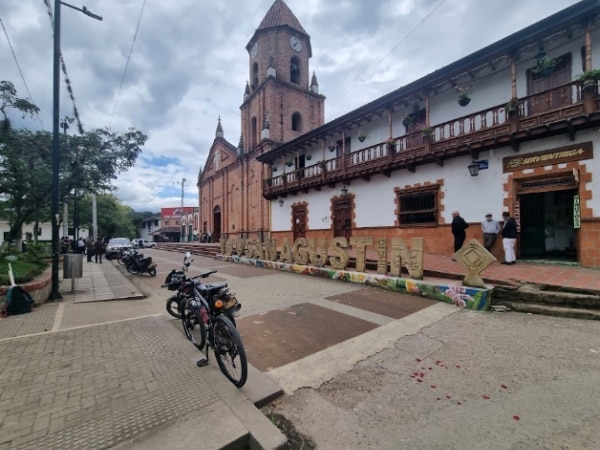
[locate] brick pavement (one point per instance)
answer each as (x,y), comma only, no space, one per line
(96,386)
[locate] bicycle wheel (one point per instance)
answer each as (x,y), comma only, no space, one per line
(229,351)
(194,328)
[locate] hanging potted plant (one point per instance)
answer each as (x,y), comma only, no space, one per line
(268,181)
(408,120)
(332,147)
(511,106)
(289,162)
(274,169)
(545,66)
(308,157)
(426,131)
(463,95)
(391,145)
(589,78)
(362,135)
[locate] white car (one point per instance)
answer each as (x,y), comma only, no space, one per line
(143,243)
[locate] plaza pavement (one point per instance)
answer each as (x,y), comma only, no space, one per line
(105,367)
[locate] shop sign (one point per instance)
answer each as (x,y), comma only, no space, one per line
(517,215)
(576,212)
(549,157)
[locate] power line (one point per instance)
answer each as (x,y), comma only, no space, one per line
(20,71)
(64,70)
(370,71)
(137,28)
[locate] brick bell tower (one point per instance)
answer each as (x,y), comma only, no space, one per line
(281,100)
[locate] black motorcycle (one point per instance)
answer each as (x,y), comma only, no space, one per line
(136,263)
(177,280)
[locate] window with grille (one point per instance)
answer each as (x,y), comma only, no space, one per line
(418,206)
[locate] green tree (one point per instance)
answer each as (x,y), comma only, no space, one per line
(112,217)
(9,100)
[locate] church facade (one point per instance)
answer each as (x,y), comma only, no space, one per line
(281,102)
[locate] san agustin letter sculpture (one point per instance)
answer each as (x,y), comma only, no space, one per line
(306,257)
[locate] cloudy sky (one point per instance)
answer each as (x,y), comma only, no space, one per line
(188,65)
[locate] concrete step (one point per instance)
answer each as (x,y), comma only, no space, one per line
(550,300)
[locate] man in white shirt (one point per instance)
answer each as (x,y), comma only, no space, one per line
(490,229)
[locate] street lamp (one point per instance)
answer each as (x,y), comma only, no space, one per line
(55,295)
(183,180)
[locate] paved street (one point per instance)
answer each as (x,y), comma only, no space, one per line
(381,370)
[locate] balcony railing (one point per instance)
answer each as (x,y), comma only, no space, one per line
(561,109)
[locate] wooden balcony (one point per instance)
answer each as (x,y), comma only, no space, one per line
(564,109)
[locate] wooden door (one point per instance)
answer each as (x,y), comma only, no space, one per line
(342,218)
(299,218)
(554,96)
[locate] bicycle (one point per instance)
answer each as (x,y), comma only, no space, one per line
(208,319)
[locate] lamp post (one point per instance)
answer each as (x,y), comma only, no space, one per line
(55,295)
(183,180)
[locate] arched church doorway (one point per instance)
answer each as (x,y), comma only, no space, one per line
(216,234)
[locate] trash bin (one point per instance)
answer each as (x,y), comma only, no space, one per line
(72,265)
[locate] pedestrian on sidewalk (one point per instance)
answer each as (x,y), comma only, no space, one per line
(459,225)
(98,250)
(80,245)
(509,237)
(89,248)
(490,228)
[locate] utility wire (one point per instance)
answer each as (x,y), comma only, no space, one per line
(20,71)
(137,29)
(372,69)
(64,70)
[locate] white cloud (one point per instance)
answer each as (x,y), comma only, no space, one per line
(189,66)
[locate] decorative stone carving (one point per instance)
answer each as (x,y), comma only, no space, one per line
(475,258)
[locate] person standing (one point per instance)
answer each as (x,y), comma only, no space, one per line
(509,237)
(458,230)
(89,248)
(490,228)
(98,250)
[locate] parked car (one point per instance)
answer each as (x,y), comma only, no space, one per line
(143,243)
(115,246)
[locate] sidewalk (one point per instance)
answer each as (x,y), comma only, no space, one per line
(111,382)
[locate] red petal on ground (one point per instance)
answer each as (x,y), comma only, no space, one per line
(438,398)
(503,386)
(412,376)
(419,359)
(421,374)
(487,397)
(516,418)
(458,402)
(431,368)
(457,366)
(433,386)
(419,380)
(448,396)
(438,362)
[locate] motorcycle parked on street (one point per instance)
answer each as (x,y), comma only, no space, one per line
(136,263)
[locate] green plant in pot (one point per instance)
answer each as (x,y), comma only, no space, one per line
(545,66)
(464,95)
(589,78)
(512,105)
(409,119)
